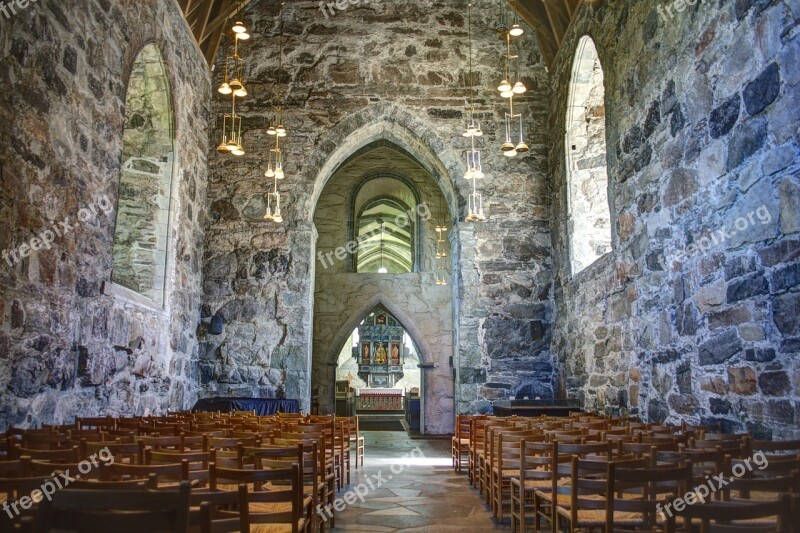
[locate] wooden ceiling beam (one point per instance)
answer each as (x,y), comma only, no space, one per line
(559,18)
(537,19)
(227,9)
(210,44)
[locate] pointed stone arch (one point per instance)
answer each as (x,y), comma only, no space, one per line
(387,124)
(357,317)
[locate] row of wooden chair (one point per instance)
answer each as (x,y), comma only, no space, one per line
(580,472)
(228,459)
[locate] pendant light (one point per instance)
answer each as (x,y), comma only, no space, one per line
(474,170)
(233,85)
(275,168)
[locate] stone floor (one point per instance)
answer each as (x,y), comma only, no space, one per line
(409,485)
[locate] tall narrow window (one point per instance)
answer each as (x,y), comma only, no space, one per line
(589,217)
(385,236)
(141,232)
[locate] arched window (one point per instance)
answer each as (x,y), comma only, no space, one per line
(385,231)
(589,216)
(148,154)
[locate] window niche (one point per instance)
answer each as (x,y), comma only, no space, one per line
(589,216)
(148,156)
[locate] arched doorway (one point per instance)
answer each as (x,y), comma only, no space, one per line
(378,372)
(388,158)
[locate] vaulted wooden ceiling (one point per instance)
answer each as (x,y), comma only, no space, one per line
(550,19)
(206,19)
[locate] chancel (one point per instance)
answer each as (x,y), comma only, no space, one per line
(540,257)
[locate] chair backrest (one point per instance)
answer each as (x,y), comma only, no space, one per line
(65,456)
(116,510)
(728,517)
(651,485)
(215,514)
(45,441)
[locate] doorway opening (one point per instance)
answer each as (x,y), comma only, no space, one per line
(378,376)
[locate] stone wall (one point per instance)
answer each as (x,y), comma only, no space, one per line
(67,346)
(402,82)
(693,315)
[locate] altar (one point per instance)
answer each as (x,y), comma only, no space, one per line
(380,400)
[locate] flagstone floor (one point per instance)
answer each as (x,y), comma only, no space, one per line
(418,493)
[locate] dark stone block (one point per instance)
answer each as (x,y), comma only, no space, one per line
(726,425)
(657,411)
(27,377)
(739,266)
(666,356)
(653,119)
(760,355)
(70,60)
(643,157)
(472,375)
(684,378)
(747,139)
(780,252)
(720,348)
(86,288)
(774,383)
(494,385)
(688,318)
(655,260)
(759,431)
(537,330)
(780,411)
(723,118)
(668,98)
(17,314)
(719,406)
(222,211)
(786,278)
(753,285)
(790,345)
(633,140)
(678,121)
(448,114)
(763,90)
(230,311)
(786,314)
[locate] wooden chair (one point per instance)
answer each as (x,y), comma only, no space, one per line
(535,473)
(118,511)
(198,462)
(356,439)
(545,502)
(220,511)
(727,517)
(459,444)
(283,457)
(102,423)
(505,465)
(282,503)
